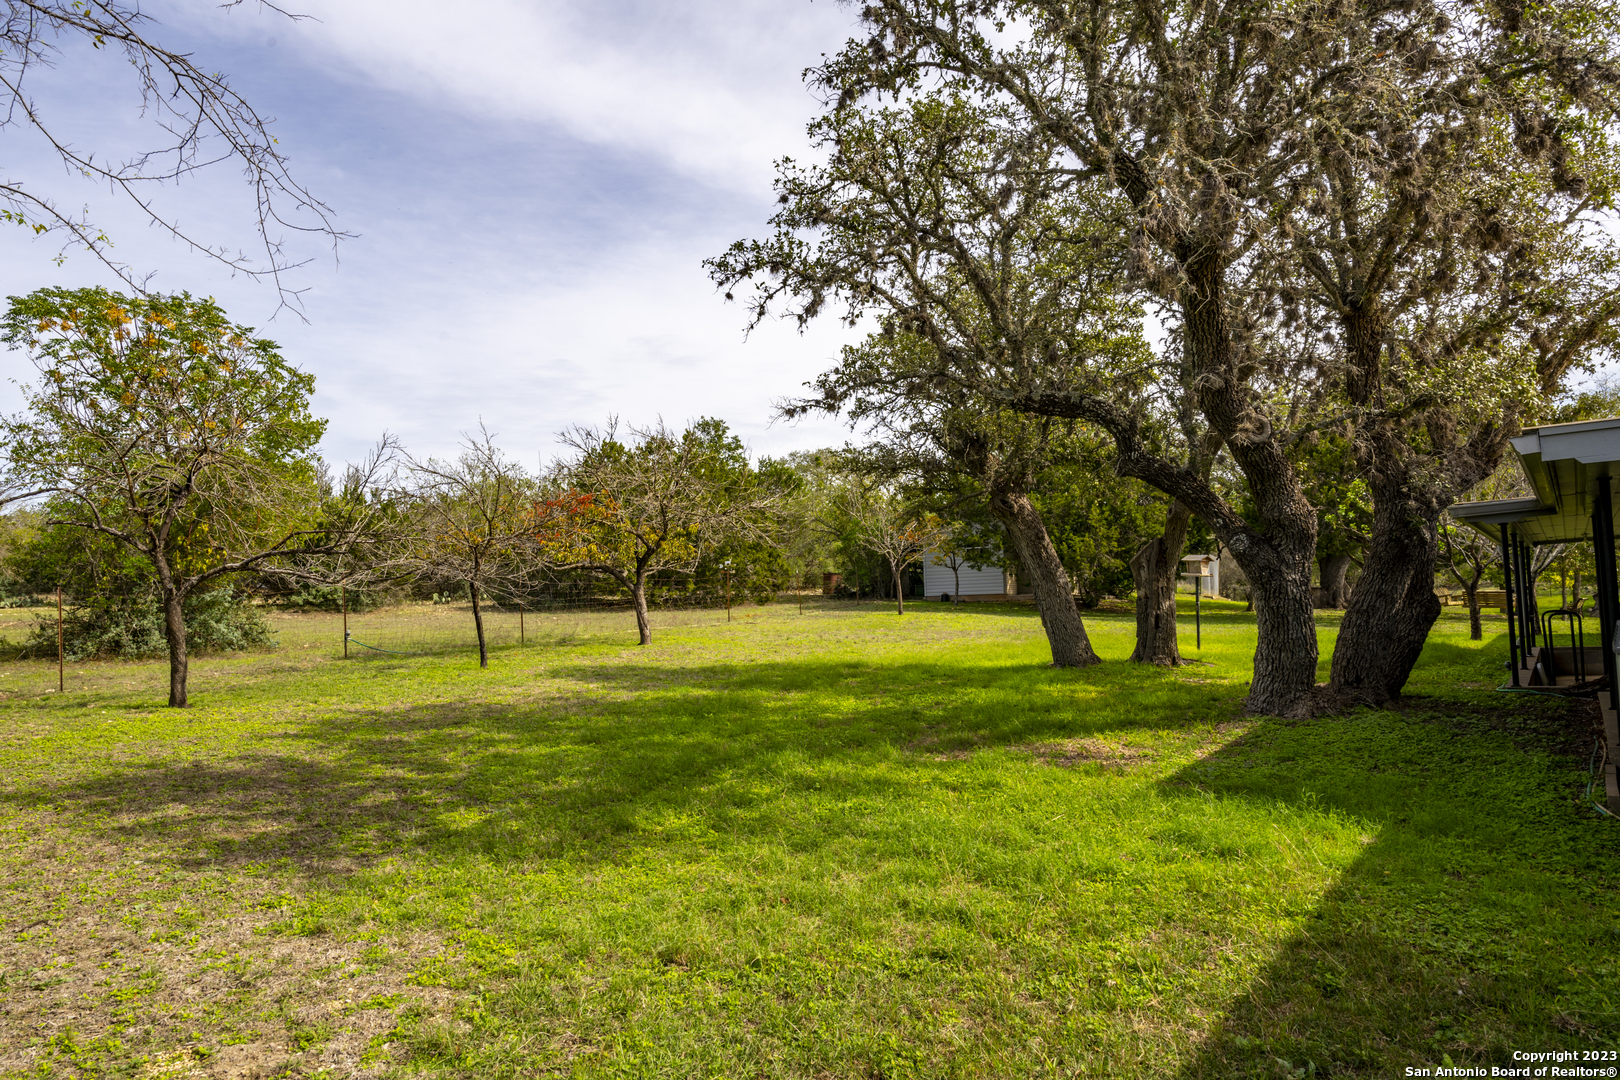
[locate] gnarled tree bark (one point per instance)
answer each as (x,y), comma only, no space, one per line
(1276,558)
(1054,594)
(1332,571)
(1154,571)
(1393,607)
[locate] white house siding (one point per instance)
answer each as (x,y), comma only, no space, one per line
(976,581)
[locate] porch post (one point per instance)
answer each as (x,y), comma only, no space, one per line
(1519,601)
(1507,594)
(1531,627)
(1518,598)
(1608,608)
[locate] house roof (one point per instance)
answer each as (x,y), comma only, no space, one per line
(1563,463)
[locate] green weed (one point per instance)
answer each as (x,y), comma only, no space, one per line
(839,844)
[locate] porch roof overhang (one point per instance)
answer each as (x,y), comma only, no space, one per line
(1563,463)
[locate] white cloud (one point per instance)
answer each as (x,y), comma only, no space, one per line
(534,195)
(642,338)
(712,89)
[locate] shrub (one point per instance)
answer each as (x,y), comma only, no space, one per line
(132,628)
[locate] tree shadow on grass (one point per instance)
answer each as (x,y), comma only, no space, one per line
(577,772)
(1481,918)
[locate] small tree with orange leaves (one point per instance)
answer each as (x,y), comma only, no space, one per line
(628,509)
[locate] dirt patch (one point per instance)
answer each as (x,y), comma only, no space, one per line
(944,748)
(1072,752)
(110,962)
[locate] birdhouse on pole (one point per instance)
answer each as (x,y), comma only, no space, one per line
(1201,568)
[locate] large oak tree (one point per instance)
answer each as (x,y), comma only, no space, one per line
(1247,139)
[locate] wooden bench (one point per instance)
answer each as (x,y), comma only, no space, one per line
(1488,598)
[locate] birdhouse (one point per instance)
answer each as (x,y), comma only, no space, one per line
(1196,565)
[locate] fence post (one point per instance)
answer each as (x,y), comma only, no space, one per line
(521,638)
(343,598)
(61,666)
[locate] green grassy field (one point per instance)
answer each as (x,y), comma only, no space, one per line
(842,844)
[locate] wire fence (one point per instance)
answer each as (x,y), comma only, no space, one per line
(425,627)
(421,628)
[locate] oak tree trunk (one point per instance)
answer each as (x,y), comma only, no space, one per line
(1054,595)
(1394,605)
(1476,631)
(1154,571)
(1285,652)
(1278,556)
(478,622)
(1333,570)
(1276,545)
(174,627)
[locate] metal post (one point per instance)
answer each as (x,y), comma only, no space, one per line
(1518,579)
(61,666)
(1535,597)
(1198,611)
(1529,636)
(522,640)
(1608,605)
(1507,594)
(1527,603)
(728,595)
(1603,552)
(1532,606)
(343,598)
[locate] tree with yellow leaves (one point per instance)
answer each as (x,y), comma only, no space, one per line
(179,434)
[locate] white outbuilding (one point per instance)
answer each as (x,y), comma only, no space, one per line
(977,582)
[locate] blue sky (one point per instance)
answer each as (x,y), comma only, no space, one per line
(533,194)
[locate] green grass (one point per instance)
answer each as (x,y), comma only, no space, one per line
(842,844)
